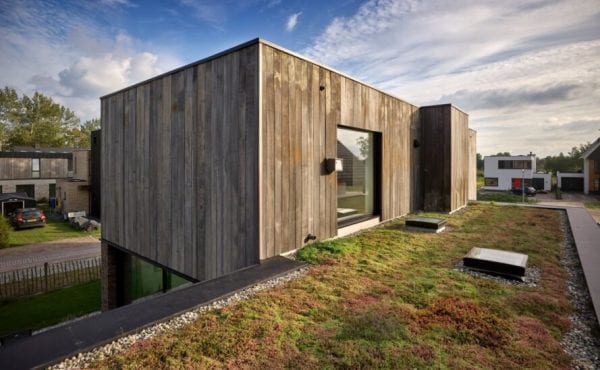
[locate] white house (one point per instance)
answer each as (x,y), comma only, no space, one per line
(507,172)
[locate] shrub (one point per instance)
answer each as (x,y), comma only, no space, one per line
(4,232)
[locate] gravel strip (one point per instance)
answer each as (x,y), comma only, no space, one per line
(85,359)
(579,342)
(530,280)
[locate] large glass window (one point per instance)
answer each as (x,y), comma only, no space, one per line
(357,183)
(143,279)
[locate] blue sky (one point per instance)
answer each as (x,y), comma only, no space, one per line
(526,71)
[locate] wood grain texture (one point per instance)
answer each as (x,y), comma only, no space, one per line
(303,105)
(445,158)
(20,168)
(472,165)
(183,155)
(179,162)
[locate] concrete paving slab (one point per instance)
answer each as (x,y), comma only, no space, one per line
(586,234)
(59,343)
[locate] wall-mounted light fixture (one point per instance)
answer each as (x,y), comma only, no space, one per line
(333,165)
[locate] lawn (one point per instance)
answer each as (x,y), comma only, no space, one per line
(54,230)
(48,309)
(595,204)
(390,298)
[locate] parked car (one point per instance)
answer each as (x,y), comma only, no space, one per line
(28,217)
(529,191)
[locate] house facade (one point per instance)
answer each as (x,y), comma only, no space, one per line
(73,192)
(34,170)
(509,172)
(218,165)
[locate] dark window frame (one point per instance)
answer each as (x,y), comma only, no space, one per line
(485,181)
(514,164)
(377,176)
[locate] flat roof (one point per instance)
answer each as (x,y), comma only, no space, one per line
(259,40)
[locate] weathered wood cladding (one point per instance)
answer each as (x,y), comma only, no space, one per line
(21,168)
(302,105)
(180,166)
(445,158)
(472,165)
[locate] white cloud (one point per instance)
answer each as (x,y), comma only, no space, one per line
(513,65)
(67,57)
(292,21)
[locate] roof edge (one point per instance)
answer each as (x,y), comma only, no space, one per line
(445,105)
(300,56)
(591,149)
(192,64)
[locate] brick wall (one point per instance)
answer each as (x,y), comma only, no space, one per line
(73,196)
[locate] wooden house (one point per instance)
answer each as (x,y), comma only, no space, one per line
(217,165)
(34,170)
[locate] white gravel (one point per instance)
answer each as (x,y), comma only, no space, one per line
(579,342)
(85,359)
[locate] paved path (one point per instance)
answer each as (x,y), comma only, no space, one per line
(587,240)
(55,251)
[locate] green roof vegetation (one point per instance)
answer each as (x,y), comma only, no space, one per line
(391,298)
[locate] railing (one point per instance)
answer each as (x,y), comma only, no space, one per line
(48,277)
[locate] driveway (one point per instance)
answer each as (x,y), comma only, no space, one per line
(570,200)
(56,251)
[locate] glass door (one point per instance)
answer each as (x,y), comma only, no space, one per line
(358,182)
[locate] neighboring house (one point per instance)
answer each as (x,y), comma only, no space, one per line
(223,163)
(591,168)
(34,170)
(73,193)
(508,172)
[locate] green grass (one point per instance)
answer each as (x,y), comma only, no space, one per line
(595,204)
(390,298)
(54,230)
(48,309)
(503,197)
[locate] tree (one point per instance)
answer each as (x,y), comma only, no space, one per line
(80,137)
(479,162)
(41,121)
(38,120)
(9,111)
(572,162)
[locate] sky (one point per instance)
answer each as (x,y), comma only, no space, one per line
(527,71)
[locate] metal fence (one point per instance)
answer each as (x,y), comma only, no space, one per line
(48,277)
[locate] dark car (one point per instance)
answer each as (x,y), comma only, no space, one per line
(28,217)
(529,191)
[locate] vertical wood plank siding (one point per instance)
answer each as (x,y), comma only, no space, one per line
(181,156)
(445,158)
(180,166)
(299,131)
(472,165)
(20,168)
